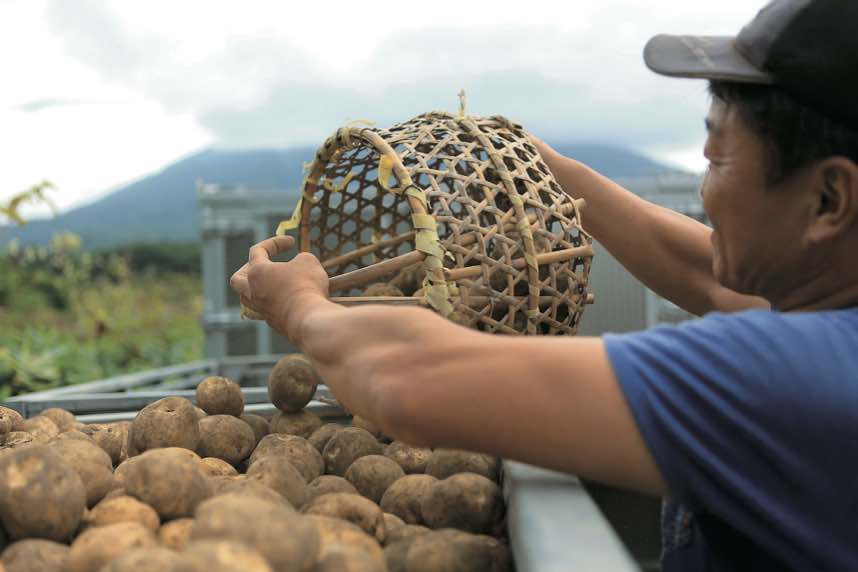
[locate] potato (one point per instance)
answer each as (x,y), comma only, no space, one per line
(347,558)
(214,467)
(62,419)
(123,509)
(372,474)
(149,560)
(319,437)
(121,471)
(245,486)
(40,495)
(176,533)
(382,289)
(293,448)
(404,497)
(367,425)
(113,493)
(13,416)
(219,395)
(280,475)
(334,532)
(200,412)
(258,423)
(302,423)
(345,447)
(109,436)
(42,429)
(392,521)
(5,428)
(446,462)
(328,484)
(354,508)
(168,422)
(465,501)
(405,531)
(98,546)
(225,556)
(292,383)
(16,440)
(35,555)
(288,540)
(91,463)
(412,459)
(170,482)
(455,551)
(225,437)
(75,435)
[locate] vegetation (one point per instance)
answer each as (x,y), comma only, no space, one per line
(68,316)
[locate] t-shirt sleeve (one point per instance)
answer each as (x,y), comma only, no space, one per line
(721,405)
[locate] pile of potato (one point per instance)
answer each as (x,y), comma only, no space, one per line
(210,488)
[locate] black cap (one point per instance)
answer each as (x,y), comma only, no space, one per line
(809,48)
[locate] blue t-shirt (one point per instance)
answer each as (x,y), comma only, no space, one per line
(752,419)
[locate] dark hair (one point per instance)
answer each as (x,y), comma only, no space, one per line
(794,135)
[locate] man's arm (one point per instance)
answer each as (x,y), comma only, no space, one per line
(551,402)
(667,251)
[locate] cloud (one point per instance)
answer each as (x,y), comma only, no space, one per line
(585,83)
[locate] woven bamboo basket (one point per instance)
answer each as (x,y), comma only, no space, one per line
(455,212)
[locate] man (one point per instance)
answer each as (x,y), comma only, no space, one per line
(746,419)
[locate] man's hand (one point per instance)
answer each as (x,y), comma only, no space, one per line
(280,291)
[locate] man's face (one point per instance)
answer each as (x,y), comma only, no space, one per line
(756,227)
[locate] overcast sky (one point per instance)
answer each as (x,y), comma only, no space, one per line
(97,93)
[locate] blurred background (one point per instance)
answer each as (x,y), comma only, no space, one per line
(145,146)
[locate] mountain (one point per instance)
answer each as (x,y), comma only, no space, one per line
(162,207)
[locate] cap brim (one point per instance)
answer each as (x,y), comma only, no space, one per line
(705,57)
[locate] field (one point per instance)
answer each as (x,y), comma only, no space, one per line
(69,316)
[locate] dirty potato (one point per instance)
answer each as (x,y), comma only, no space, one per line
(35,555)
(62,419)
(258,423)
(335,533)
(297,450)
(97,547)
(412,459)
(356,509)
(36,476)
(302,423)
(325,484)
(176,534)
(372,475)
(217,395)
(465,501)
(447,462)
(171,483)
(225,556)
(214,467)
(43,429)
(149,560)
(319,438)
(280,475)
(225,437)
(287,540)
(123,509)
(91,463)
(168,422)
(345,447)
(292,383)
(404,497)
(109,436)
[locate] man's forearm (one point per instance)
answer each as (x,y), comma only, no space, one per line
(667,251)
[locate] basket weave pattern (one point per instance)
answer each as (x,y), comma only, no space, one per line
(506,252)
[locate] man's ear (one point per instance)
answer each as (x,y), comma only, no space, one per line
(836,198)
